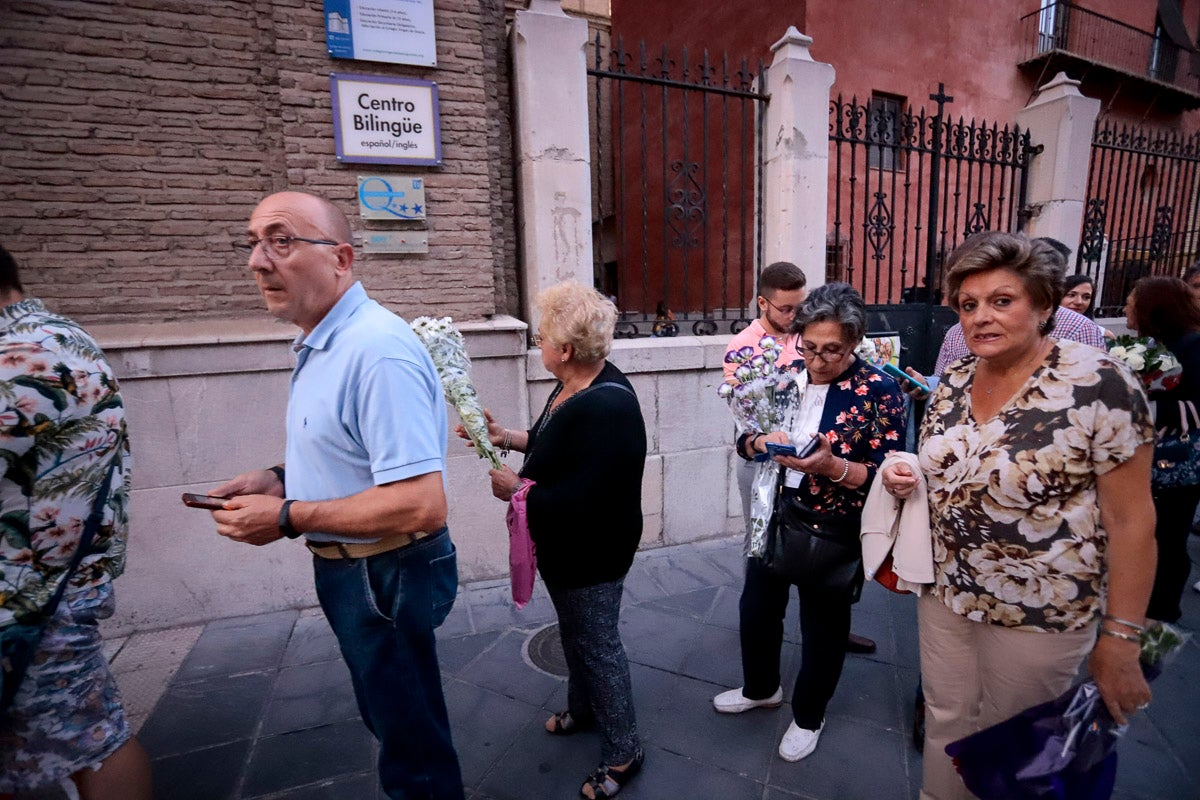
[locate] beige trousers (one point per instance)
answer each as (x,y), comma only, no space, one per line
(976,674)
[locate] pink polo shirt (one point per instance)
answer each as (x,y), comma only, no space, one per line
(751,336)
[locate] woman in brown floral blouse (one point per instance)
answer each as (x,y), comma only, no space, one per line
(858,413)
(1037,457)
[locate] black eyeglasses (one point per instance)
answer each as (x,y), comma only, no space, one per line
(277,246)
(788,310)
(827,353)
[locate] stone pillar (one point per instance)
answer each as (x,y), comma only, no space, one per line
(1061,120)
(554,189)
(796,155)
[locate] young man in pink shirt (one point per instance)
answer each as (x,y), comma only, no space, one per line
(780,292)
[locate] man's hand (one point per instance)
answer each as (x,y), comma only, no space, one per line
(912,388)
(250,519)
(256,481)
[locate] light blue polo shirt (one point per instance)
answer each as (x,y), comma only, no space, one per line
(365,405)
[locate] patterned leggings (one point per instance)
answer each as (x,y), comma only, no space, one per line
(598,687)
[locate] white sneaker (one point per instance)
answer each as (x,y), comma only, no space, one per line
(798,742)
(734,702)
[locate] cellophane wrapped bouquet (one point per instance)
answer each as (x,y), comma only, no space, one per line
(759,399)
(1158,369)
(449,353)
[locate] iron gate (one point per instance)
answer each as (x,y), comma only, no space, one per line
(677,228)
(1140,216)
(906,188)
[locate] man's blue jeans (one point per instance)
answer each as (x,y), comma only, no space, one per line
(383,610)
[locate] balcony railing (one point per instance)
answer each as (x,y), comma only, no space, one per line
(1065,29)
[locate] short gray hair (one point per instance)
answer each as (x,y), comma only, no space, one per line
(834,302)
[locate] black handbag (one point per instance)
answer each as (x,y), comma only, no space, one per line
(19,642)
(816,552)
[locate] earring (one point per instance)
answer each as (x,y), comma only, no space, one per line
(564,359)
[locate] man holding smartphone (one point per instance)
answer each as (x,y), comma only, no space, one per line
(366,450)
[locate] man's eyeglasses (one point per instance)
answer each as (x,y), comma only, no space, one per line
(785,310)
(829,352)
(276,246)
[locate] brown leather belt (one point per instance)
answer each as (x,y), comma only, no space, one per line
(347,550)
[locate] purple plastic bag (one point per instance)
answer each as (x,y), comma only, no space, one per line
(1062,750)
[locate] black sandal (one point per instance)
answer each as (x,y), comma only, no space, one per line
(564,724)
(607,781)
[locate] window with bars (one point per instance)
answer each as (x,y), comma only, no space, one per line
(883,131)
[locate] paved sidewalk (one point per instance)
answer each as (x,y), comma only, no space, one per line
(261,707)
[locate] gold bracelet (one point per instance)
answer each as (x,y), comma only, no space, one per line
(507,445)
(1118,635)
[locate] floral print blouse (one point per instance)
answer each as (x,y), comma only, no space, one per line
(61,422)
(864,419)
(1017,538)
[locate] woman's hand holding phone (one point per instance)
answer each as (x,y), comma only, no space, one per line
(810,458)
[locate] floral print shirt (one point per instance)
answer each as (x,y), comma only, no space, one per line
(864,419)
(61,422)
(1017,539)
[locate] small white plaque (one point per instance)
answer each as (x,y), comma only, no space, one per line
(396,242)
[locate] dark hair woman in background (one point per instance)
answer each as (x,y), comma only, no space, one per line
(1163,308)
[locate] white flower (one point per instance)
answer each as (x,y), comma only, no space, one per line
(866,350)
(448,351)
(1136,360)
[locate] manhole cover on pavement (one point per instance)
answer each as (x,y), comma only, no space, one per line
(543,649)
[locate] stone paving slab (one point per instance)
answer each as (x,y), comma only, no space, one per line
(260,707)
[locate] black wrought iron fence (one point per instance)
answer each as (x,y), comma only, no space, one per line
(677,228)
(907,186)
(1141,213)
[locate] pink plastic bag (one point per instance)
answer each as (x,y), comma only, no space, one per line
(522,555)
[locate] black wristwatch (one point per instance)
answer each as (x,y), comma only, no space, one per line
(277,471)
(285,522)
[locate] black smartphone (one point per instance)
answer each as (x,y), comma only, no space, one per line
(207,501)
(810,448)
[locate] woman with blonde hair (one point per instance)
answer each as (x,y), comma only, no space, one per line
(582,480)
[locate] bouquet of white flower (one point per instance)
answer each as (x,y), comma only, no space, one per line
(759,401)
(449,353)
(1154,364)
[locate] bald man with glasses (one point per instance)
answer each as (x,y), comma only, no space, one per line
(362,483)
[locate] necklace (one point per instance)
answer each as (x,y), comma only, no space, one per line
(1024,370)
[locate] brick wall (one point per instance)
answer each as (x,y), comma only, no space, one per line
(138,134)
